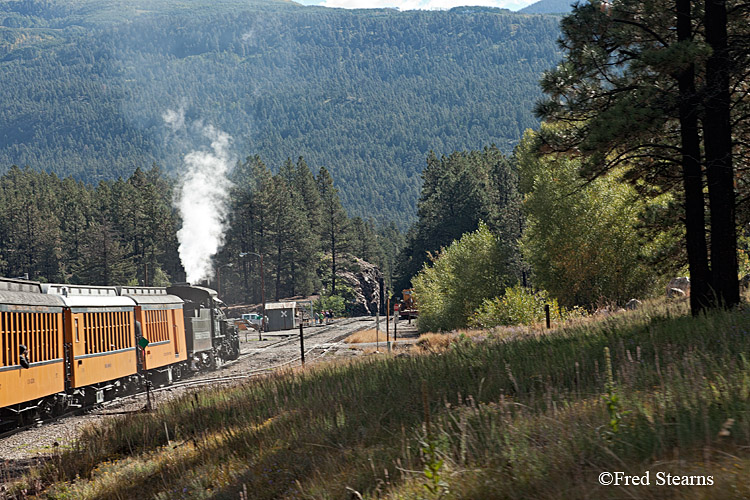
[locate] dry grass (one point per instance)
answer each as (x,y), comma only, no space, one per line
(503,414)
(366,337)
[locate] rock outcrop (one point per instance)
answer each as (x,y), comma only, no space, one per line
(365,280)
(633,304)
(682,284)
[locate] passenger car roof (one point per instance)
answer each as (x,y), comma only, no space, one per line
(87,295)
(26,293)
(148,295)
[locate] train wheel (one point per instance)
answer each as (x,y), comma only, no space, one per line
(234,348)
(207,361)
(48,408)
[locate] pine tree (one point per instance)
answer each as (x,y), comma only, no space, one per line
(459,191)
(251,220)
(627,93)
(31,225)
(334,223)
(304,183)
(75,214)
(105,260)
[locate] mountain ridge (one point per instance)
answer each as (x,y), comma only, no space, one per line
(365,93)
(549,7)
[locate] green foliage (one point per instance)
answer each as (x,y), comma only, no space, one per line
(64,231)
(161,278)
(645,88)
(334,234)
(743,253)
(469,270)
(612,401)
(433,465)
(582,239)
(518,306)
(296,222)
(459,191)
(85,85)
(123,231)
(105,261)
(334,303)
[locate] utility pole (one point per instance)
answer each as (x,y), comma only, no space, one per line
(387,324)
(377,329)
(395,324)
(262,293)
(218,276)
(377,315)
(302,343)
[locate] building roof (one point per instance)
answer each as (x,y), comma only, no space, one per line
(280,305)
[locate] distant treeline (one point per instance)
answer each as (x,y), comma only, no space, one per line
(124,231)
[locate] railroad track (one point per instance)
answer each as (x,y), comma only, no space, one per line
(293,338)
(338,341)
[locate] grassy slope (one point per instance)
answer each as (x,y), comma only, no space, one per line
(532,416)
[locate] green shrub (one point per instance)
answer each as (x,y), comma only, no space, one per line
(585,240)
(519,306)
(335,303)
(469,270)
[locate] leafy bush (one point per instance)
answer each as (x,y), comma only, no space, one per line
(470,270)
(519,306)
(335,303)
(584,240)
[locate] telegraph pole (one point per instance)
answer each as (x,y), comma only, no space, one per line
(302,343)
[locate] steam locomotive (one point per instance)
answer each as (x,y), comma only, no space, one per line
(67,346)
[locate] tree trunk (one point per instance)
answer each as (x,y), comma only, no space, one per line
(333,259)
(717,134)
(701,293)
(279,253)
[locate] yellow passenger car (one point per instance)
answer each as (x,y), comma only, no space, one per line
(162,324)
(31,345)
(99,326)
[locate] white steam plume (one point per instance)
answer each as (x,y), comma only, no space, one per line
(202,199)
(175,119)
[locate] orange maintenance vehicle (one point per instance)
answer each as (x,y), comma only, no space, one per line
(409,307)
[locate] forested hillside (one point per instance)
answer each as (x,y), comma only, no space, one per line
(367,94)
(549,7)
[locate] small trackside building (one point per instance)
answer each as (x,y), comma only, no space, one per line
(281,316)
